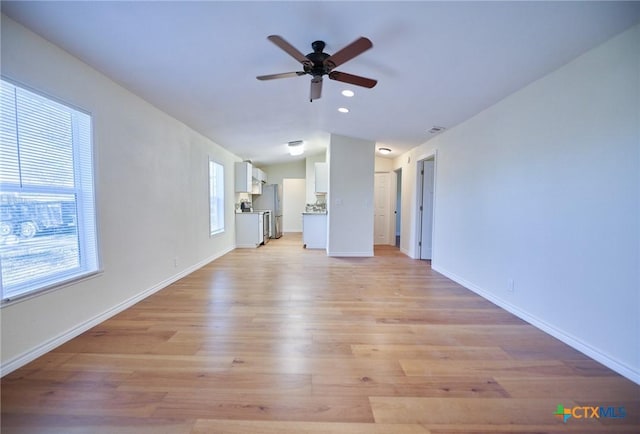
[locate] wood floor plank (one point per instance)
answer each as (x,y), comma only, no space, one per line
(286,348)
(465,411)
(389,386)
(327,366)
(429,352)
(493,368)
(129,363)
(76,402)
(225,383)
(530,429)
(596,390)
(247,344)
(207,426)
(278,407)
(40,423)
(98,340)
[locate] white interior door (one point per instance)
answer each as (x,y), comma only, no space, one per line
(426,232)
(398,207)
(382,209)
(294,197)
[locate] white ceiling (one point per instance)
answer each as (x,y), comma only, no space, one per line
(437,63)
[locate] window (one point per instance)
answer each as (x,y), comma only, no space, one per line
(216,197)
(47,212)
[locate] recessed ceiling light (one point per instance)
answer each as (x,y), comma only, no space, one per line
(343,110)
(384,151)
(348,93)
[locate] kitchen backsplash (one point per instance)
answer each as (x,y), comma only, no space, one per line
(316,207)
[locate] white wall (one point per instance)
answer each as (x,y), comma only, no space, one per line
(277,172)
(350,203)
(151,191)
(383,164)
(544,188)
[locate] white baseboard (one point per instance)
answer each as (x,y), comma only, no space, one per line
(572,341)
(55,342)
(350,254)
(406,252)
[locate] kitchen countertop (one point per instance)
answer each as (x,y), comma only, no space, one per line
(314,213)
(253,212)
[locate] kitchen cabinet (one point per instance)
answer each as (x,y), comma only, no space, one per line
(243,176)
(259,175)
(322,178)
(314,230)
(250,229)
(258,179)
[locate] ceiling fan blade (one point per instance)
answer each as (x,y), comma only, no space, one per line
(289,49)
(316,88)
(282,75)
(355,48)
(352,79)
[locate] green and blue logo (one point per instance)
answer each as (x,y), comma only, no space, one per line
(589,412)
(563,413)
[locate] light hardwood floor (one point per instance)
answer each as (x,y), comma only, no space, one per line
(282,340)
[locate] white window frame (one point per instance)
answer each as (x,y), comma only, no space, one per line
(216,203)
(84,191)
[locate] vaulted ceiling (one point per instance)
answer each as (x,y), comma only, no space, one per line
(437,63)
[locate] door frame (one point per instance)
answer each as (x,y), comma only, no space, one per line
(418,202)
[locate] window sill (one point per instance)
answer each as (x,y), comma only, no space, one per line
(48,289)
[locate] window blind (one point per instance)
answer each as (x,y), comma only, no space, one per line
(47,205)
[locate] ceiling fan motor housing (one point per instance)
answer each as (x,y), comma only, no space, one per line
(317,67)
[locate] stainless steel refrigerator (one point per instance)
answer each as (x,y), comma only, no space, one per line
(270,200)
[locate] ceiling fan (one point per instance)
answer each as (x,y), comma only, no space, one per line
(319,64)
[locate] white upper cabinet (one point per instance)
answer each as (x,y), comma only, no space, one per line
(259,175)
(258,178)
(322,178)
(244,173)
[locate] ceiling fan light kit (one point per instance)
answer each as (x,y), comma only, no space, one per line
(318,64)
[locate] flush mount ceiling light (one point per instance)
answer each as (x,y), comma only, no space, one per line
(348,93)
(296,147)
(436,129)
(384,151)
(343,110)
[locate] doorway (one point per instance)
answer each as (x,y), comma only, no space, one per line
(294,196)
(382,208)
(398,209)
(426,179)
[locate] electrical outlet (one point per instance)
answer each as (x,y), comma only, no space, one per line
(175,262)
(511,285)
